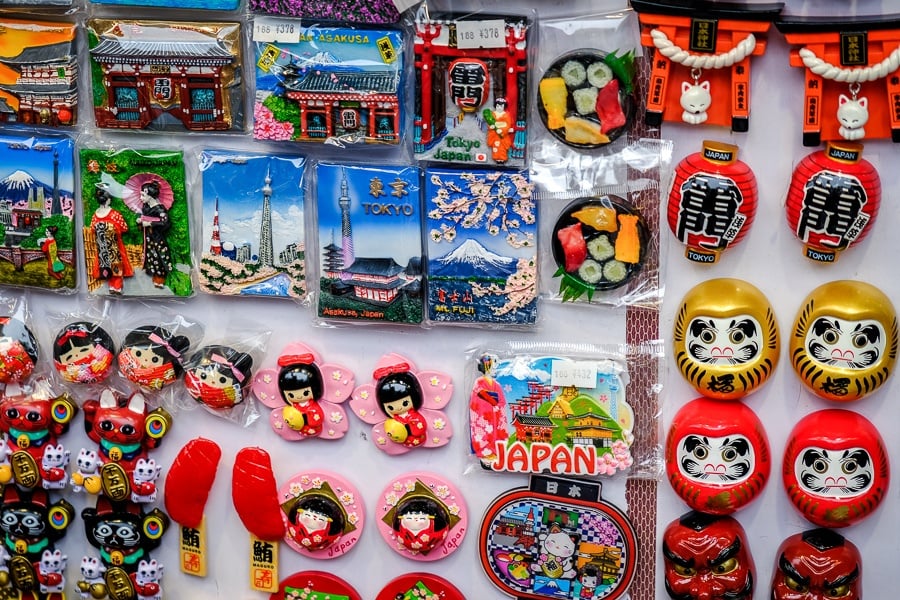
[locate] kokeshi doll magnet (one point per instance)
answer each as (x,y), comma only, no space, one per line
(712,202)
(717,455)
(844,340)
(707,557)
(726,341)
(818,564)
(835,469)
(833,200)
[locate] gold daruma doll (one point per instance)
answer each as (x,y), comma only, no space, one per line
(726,338)
(844,340)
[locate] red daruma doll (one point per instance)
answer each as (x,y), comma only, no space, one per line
(833,200)
(712,202)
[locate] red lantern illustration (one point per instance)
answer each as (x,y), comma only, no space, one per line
(469,79)
(712,202)
(835,468)
(717,455)
(819,564)
(833,200)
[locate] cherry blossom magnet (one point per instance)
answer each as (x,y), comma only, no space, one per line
(218,376)
(424,586)
(726,340)
(717,455)
(323,514)
(835,468)
(707,557)
(83,352)
(404,405)
(818,564)
(306,395)
(314,585)
(844,340)
(18,350)
(422,516)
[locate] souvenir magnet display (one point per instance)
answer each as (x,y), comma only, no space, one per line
(707,557)
(557,538)
(315,585)
(306,395)
(372,12)
(835,469)
(844,340)
(250,255)
(586,97)
(404,405)
(818,564)
(415,586)
(83,352)
(482,240)
(166,75)
(331,84)
(850,69)
(471,94)
(218,376)
(152,357)
(725,339)
(422,516)
(712,202)
(18,350)
(717,455)
(32,419)
(136,231)
(323,514)
(701,61)
(208,4)
(124,430)
(551,414)
(833,200)
(370,243)
(598,244)
(37,180)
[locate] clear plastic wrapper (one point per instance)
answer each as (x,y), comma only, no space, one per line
(83,346)
(19,348)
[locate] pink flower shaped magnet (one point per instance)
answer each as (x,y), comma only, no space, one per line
(306,395)
(404,406)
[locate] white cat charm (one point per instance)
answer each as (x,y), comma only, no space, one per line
(695,100)
(852,114)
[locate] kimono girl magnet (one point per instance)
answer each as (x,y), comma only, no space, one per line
(83,352)
(306,395)
(152,357)
(404,406)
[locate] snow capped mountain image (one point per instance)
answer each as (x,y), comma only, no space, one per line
(20,180)
(16,187)
(471,259)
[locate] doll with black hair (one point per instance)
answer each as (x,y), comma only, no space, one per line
(18,350)
(421,523)
(83,352)
(301,387)
(218,375)
(315,521)
(151,357)
(154,219)
(399,396)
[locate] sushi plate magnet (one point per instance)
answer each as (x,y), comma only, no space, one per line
(558,539)
(416,586)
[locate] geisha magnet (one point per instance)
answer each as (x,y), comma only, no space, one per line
(558,538)
(835,469)
(817,564)
(586,97)
(152,357)
(404,405)
(844,340)
(550,414)
(369,243)
(833,200)
(315,585)
(422,516)
(712,202)
(253,221)
(482,247)
(37,183)
(323,514)
(136,230)
(717,455)
(306,395)
(166,75)
(471,98)
(598,244)
(18,350)
(218,376)
(725,339)
(413,586)
(83,352)
(708,557)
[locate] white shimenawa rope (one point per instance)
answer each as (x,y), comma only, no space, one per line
(702,61)
(855,75)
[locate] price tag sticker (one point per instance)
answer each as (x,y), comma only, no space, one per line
(568,373)
(481,34)
(276,31)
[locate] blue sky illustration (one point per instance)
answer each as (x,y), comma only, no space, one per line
(38,163)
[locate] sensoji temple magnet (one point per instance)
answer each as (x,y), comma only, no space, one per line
(833,200)
(844,340)
(712,202)
(725,338)
(701,67)
(835,468)
(817,564)
(851,82)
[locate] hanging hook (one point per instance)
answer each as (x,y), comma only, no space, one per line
(695,75)
(854,89)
